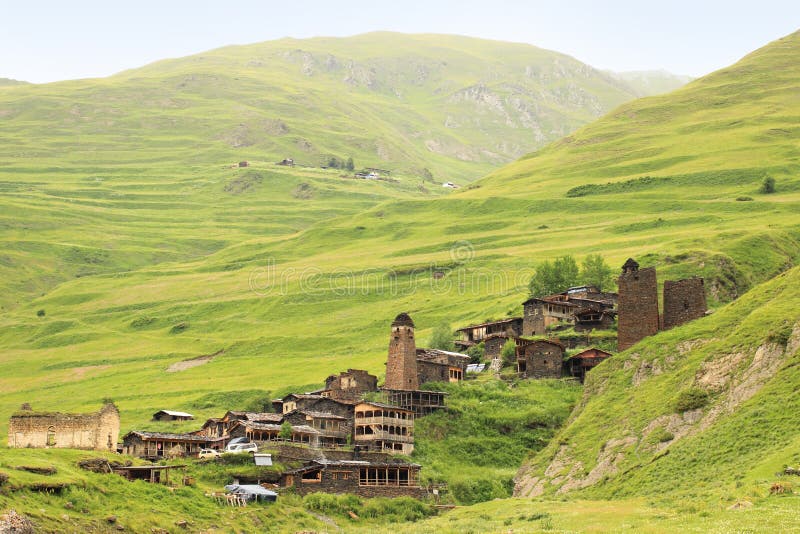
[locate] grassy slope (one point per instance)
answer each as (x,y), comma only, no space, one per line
(744,357)
(337,284)
(457,105)
(112,334)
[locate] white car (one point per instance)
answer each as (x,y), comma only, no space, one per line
(239,448)
(208,453)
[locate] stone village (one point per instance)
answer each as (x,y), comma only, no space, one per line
(352,436)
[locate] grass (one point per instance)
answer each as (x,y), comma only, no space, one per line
(144,258)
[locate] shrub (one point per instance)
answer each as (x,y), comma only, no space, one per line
(768,186)
(442,337)
(40,313)
(400,509)
(476,352)
(744,199)
(691,399)
(332,504)
(509,353)
(178,328)
(141,322)
(660,435)
(780,336)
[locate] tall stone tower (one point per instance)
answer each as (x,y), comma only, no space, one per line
(684,300)
(401,367)
(637,304)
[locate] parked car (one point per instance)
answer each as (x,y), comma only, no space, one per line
(238,448)
(242,439)
(208,453)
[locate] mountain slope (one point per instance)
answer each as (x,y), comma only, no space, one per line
(287,307)
(702,127)
(700,410)
(459,106)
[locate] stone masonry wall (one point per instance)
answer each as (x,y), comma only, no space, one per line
(684,300)
(638,306)
(99,431)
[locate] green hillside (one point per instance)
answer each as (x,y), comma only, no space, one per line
(281,284)
(288,308)
(458,106)
(704,412)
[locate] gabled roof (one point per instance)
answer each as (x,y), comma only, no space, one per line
(174,413)
(321,415)
(490,323)
(167,436)
(385,406)
(591,353)
(526,342)
(302,429)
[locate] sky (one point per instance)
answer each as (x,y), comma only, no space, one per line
(43,41)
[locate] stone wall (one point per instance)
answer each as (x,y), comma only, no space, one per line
(99,431)
(684,300)
(493,346)
(351,385)
(428,371)
(638,306)
(533,319)
(540,359)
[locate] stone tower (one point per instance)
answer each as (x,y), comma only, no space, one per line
(401,367)
(637,304)
(684,301)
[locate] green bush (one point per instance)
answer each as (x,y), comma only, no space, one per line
(400,509)
(178,328)
(691,399)
(40,313)
(329,503)
(744,199)
(768,187)
(780,336)
(660,435)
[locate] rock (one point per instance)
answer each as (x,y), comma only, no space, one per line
(111,519)
(182,523)
(740,505)
(11,521)
(68,505)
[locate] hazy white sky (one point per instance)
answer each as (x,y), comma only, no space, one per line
(44,41)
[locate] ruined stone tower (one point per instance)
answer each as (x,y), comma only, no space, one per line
(637,304)
(401,367)
(684,301)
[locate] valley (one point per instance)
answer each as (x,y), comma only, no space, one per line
(126,258)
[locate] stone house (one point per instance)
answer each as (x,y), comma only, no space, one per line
(358,477)
(254,431)
(434,365)
(474,334)
(583,362)
(97,431)
(383,427)
(172,415)
(332,430)
(155,445)
(539,358)
(583,306)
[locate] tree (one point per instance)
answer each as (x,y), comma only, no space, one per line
(286,431)
(442,337)
(476,352)
(596,272)
(768,186)
(350,166)
(427,175)
(509,353)
(333,163)
(554,277)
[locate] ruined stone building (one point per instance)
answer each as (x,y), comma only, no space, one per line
(401,366)
(358,477)
(350,385)
(98,431)
(385,428)
(684,300)
(539,358)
